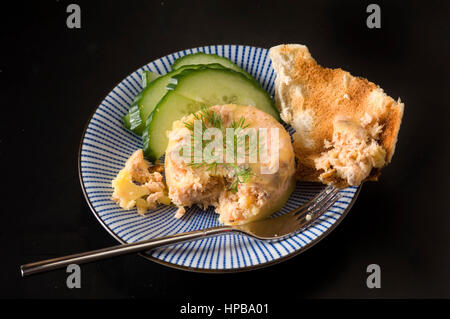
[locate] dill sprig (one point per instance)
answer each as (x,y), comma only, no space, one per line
(189,126)
(240,124)
(209,118)
(242,175)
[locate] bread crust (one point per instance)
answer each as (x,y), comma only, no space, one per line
(310,97)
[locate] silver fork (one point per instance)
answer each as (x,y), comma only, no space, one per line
(268,229)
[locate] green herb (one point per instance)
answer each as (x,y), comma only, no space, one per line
(206,116)
(242,175)
(210,118)
(239,124)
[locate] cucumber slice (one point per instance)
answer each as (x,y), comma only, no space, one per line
(152,94)
(193,89)
(172,107)
(134,117)
(127,119)
(148,77)
(215,87)
(130,118)
(203,58)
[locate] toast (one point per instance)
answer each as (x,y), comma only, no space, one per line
(346,127)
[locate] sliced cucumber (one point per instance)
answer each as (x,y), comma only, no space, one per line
(134,117)
(193,89)
(148,77)
(215,87)
(126,121)
(172,107)
(152,94)
(130,118)
(203,58)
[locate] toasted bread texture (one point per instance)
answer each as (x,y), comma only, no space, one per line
(346,127)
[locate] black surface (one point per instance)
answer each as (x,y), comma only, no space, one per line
(52,78)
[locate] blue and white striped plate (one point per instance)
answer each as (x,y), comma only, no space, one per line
(106,145)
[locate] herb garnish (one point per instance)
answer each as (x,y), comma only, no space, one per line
(209,118)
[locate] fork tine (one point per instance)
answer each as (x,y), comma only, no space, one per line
(323,197)
(318,197)
(313,215)
(294,221)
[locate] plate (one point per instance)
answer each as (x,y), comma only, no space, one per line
(106,145)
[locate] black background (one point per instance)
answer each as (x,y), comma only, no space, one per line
(52,78)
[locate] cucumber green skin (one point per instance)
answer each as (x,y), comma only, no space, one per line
(134,117)
(152,94)
(126,121)
(203,58)
(129,118)
(176,105)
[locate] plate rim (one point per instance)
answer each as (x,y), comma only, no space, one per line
(188,268)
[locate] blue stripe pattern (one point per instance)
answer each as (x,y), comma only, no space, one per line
(107,145)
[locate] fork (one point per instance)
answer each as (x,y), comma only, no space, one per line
(268,229)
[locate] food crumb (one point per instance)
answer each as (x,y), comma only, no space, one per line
(180,212)
(140,185)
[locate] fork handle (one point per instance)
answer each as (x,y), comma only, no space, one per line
(119,250)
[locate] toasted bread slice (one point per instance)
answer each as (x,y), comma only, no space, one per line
(346,127)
